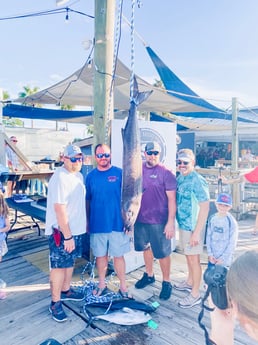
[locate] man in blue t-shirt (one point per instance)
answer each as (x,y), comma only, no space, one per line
(192,212)
(105,224)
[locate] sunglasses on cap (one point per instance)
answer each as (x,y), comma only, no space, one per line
(101,155)
(74,159)
(150,153)
(182,163)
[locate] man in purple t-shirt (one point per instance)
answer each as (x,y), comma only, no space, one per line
(155,224)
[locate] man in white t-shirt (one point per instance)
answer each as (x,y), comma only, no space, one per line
(65,225)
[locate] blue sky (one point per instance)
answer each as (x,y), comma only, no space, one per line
(211,45)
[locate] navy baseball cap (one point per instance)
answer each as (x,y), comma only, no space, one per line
(224,199)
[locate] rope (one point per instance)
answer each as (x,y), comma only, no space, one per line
(132,51)
(208,341)
(116,47)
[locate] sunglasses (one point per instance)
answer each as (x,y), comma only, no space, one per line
(14,141)
(101,155)
(150,153)
(182,163)
(74,159)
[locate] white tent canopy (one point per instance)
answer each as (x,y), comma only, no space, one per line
(77,90)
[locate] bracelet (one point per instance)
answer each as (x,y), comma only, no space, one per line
(69,238)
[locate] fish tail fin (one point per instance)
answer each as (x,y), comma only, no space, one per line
(139,97)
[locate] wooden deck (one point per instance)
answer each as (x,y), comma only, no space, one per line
(24,313)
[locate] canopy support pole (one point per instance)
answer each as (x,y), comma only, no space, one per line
(103,59)
(2,146)
(235,158)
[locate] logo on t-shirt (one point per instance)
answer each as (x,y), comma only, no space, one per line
(153,176)
(112,178)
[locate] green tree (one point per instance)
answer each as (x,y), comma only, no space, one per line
(67,107)
(159,83)
(7,121)
(90,129)
(5,95)
(27,91)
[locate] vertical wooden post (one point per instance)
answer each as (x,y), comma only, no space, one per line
(2,144)
(103,59)
(235,158)
(1,109)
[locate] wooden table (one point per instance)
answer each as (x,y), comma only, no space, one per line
(25,175)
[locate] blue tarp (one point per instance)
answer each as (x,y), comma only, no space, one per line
(176,87)
(26,112)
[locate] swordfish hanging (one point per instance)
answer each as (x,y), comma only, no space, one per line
(132,161)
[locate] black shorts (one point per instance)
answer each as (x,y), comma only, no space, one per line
(152,236)
(60,258)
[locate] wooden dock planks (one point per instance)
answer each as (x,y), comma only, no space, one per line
(25,318)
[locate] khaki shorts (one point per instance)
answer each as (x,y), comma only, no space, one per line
(184,238)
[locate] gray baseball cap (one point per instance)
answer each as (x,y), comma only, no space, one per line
(72,151)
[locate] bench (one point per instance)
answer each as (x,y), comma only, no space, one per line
(25,209)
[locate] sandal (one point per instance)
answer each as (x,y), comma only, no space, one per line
(100,291)
(124,294)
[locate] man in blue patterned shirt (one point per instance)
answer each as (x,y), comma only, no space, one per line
(192,212)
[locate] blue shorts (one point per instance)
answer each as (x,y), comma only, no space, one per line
(60,258)
(114,244)
(152,236)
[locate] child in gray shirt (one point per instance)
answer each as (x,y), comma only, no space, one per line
(222,233)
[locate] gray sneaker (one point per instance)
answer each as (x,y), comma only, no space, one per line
(189,301)
(183,286)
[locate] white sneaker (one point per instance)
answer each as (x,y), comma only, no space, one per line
(189,301)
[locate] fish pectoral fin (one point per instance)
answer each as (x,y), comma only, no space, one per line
(128,310)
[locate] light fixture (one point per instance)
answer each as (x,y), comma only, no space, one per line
(86,44)
(61,2)
(89,65)
(67,15)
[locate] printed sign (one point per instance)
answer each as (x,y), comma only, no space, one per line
(164,133)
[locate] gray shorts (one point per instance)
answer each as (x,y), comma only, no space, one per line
(60,258)
(114,244)
(184,238)
(152,236)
